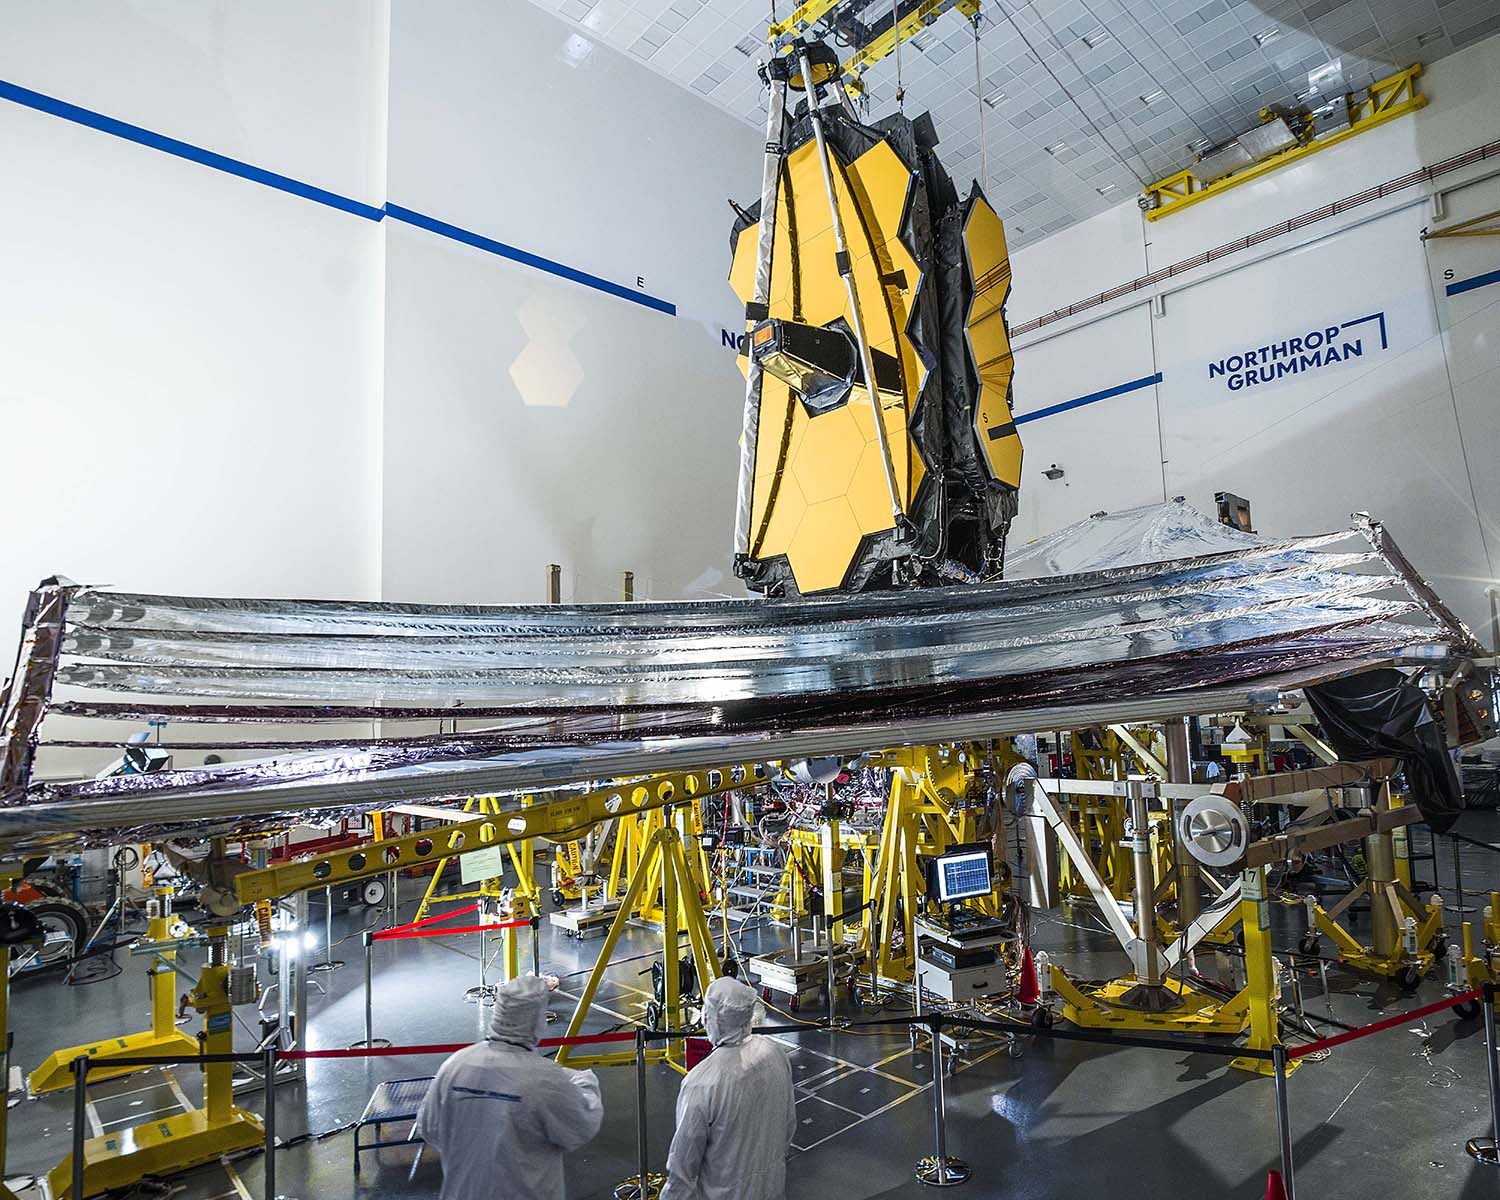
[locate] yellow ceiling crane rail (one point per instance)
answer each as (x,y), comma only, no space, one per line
(560,816)
(783,33)
(1392,97)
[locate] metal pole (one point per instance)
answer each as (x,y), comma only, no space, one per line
(329,963)
(1458,877)
(846,271)
(643,1185)
(1484,1148)
(80,1120)
(832,982)
(536,945)
(941,1169)
(369,989)
(1283,1121)
(270,1120)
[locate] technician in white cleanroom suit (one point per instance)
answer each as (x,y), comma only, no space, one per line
(735,1111)
(501,1115)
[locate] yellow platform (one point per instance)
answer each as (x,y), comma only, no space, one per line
(164,1147)
(1100,1008)
(56,1071)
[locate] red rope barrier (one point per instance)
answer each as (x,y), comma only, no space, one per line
(386,935)
(457,912)
(592,1039)
(1351,1035)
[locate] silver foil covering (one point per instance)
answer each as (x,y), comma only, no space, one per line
(603,691)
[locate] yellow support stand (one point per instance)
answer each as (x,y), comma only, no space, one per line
(56,1071)
(168,1145)
(664,858)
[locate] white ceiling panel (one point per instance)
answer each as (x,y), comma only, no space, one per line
(1075,104)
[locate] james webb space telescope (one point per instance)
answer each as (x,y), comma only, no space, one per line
(878,446)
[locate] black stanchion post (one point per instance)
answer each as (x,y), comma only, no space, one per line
(270,1120)
(80,1120)
(1485,1148)
(536,945)
(940,1169)
(643,1185)
(1283,1121)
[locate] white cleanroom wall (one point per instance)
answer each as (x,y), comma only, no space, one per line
(532,417)
(191,361)
(1402,424)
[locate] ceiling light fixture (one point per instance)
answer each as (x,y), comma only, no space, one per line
(1267,35)
(1097,38)
(1152,97)
(1058,148)
(1426,39)
(1106,189)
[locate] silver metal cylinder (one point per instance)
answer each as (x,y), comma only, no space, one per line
(1145,880)
(1180,770)
(1380,869)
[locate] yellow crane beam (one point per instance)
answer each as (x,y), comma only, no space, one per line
(558,817)
(1392,97)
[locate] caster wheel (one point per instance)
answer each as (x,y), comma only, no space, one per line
(1042,1018)
(1309,944)
(796,1004)
(1015,1049)
(1440,948)
(1468,1010)
(1408,978)
(765,993)
(558,898)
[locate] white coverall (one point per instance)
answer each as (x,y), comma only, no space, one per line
(735,1111)
(501,1115)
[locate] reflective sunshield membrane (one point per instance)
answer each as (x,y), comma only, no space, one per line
(570,693)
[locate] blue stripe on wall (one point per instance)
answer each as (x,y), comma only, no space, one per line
(1468,285)
(295,187)
(167,145)
(1091,398)
(490,246)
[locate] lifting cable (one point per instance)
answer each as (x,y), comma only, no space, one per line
(984,148)
(1036,54)
(896,33)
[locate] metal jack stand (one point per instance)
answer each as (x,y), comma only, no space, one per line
(940,1169)
(329,963)
(1487,1149)
(644,1184)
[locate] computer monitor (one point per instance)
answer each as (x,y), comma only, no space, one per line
(963,875)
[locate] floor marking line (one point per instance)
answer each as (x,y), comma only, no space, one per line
(187,1105)
(1345,1100)
(239,1184)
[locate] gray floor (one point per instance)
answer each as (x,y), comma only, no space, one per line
(1387,1116)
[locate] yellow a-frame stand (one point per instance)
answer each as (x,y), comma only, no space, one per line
(163,1038)
(165,1145)
(665,857)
